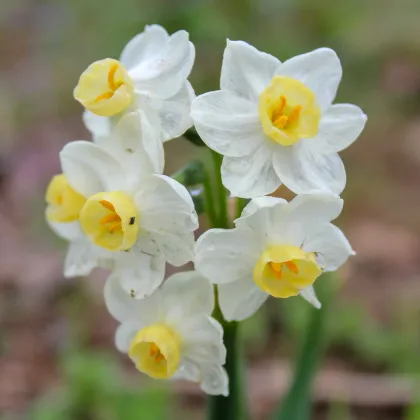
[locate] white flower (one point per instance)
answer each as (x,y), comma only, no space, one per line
(171,333)
(151,75)
(82,256)
(274,122)
(277,248)
(117,209)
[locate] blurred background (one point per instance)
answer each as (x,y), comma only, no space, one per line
(57,358)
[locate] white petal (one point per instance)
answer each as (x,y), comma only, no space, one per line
(82,257)
(227,123)
(177,246)
(142,268)
(315,209)
(124,308)
(202,329)
(144,46)
(187,370)
(267,222)
(291,223)
(308,293)
(186,294)
(252,175)
(170,116)
(261,202)
(304,171)
(241,299)
(136,146)
(90,169)
(100,127)
(124,334)
(164,73)
(306,213)
(224,256)
(167,213)
(202,338)
(162,196)
(340,126)
(246,71)
(331,244)
(320,70)
(214,380)
(69,231)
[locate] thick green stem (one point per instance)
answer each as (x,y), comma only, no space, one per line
(297,403)
(231,407)
(223,219)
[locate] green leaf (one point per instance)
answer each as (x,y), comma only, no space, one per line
(413,412)
(297,403)
(198,199)
(194,177)
(192,174)
(192,136)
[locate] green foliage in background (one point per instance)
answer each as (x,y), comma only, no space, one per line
(297,402)
(94,389)
(413,412)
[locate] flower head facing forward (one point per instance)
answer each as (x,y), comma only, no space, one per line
(111,220)
(171,334)
(131,215)
(156,351)
(288,111)
(277,248)
(151,75)
(284,270)
(275,123)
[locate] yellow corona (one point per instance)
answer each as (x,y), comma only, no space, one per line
(64,203)
(156,351)
(105,88)
(288,111)
(110,220)
(284,270)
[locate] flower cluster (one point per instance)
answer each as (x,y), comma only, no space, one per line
(273,123)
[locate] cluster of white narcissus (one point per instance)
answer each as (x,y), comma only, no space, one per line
(273,122)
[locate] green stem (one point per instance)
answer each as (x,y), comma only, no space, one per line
(223,220)
(209,201)
(297,403)
(231,407)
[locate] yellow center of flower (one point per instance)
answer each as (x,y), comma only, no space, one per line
(284,270)
(110,219)
(105,88)
(64,204)
(288,111)
(156,351)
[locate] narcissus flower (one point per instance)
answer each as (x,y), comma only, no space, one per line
(171,335)
(151,75)
(277,248)
(275,123)
(114,205)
